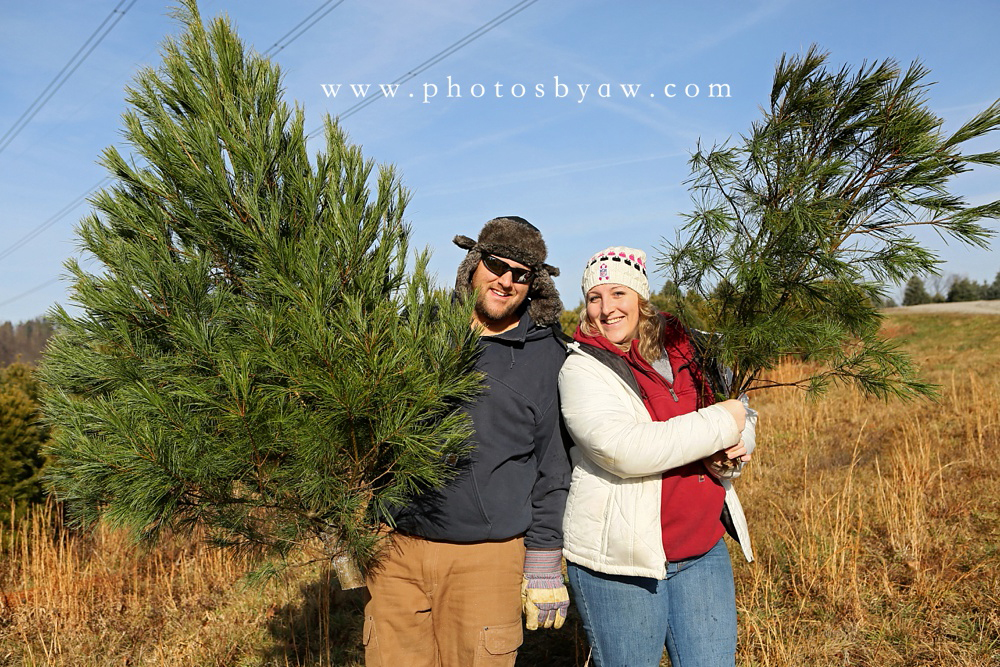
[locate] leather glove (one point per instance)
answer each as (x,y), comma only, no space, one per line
(543,594)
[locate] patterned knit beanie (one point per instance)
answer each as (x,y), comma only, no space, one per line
(617,265)
(516,239)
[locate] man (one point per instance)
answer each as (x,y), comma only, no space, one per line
(466,558)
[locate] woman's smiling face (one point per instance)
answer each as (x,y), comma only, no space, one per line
(614,311)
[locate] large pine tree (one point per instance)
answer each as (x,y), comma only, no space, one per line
(249,352)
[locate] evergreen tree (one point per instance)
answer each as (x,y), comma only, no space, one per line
(993,290)
(21,376)
(798,228)
(671,290)
(671,299)
(569,319)
(666,298)
(964,289)
(22,437)
(252,354)
(915,293)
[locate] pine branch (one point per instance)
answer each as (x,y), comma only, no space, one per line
(795,227)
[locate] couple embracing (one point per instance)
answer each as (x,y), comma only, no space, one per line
(609,449)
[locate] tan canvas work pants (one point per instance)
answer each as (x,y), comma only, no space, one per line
(442,604)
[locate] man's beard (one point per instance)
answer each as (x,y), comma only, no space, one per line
(486,314)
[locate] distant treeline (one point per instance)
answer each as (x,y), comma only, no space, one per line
(956,288)
(24,341)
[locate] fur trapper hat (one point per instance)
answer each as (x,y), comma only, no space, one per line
(517,239)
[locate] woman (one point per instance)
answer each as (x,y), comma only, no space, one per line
(646,509)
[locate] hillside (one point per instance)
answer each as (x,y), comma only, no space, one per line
(957,308)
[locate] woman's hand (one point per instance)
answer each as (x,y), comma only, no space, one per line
(727,458)
(726,462)
(737,451)
(738,412)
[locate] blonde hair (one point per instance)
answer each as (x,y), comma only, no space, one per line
(650,330)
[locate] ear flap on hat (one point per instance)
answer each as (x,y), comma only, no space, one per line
(463,242)
(546,306)
(463,276)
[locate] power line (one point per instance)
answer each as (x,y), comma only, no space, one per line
(62,213)
(63,75)
(69,207)
(422,67)
(272,52)
(438,57)
(30,291)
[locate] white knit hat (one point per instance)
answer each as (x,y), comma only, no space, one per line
(617,265)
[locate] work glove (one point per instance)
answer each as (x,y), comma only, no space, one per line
(543,593)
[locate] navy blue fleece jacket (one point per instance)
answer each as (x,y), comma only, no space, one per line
(517,475)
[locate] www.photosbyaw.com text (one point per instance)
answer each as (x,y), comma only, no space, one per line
(428,92)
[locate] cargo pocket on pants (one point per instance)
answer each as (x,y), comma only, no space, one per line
(373,657)
(498,645)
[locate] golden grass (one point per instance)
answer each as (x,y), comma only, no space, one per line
(876,528)
(875,524)
(97,599)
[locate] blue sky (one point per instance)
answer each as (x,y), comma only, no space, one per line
(589,171)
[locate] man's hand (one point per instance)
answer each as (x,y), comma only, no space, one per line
(543,594)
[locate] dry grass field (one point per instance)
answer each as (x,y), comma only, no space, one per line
(876,526)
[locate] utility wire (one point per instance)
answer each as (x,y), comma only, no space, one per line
(436,58)
(115,16)
(69,207)
(271,51)
(422,67)
(30,291)
(62,213)
(39,102)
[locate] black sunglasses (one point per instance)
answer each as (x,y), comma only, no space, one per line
(498,267)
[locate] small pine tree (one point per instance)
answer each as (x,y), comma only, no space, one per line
(798,229)
(915,292)
(993,290)
(22,439)
(666,298)
(251,355)
(964,289)
(671,299)
(569,319)
(22,376)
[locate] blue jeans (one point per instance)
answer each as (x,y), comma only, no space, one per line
(692,612)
